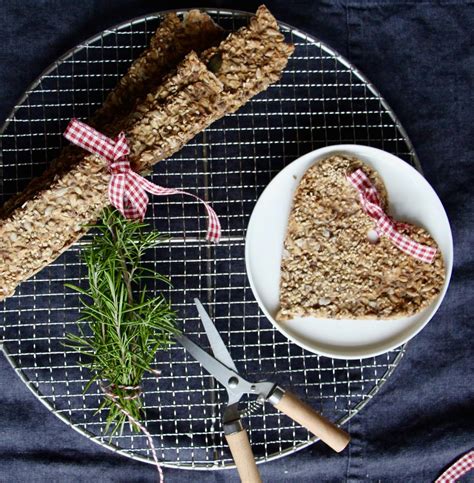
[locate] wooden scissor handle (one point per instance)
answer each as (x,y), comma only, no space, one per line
(302,413)
(239,445)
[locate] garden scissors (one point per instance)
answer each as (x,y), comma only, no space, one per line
(223,368)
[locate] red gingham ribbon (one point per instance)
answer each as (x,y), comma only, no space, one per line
(458,469)
(127,189)
(385,225)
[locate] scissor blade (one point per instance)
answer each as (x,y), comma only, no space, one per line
(219,349)
(217,369)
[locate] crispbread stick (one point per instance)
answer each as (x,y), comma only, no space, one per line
(187,102)
(36,233)
(246,63)
(170,43)
(250,59)
(172,40)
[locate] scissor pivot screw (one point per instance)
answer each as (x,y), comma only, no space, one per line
(233,382)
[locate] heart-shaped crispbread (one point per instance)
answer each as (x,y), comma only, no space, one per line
(331,269)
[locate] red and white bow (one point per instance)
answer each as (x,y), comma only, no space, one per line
(385,225)
(127,189)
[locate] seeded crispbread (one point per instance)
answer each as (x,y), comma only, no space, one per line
(250,59)
(331,269)
(49,220)
(169,44)
(38,231)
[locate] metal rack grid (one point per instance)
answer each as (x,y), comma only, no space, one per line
(321,100)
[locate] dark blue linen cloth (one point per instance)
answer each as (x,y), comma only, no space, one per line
(420,55)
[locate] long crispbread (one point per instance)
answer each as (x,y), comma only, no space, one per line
(170,43)
(330,266)
(246,63)
(37,232)
(250,59)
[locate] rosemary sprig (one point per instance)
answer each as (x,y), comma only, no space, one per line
(126,326)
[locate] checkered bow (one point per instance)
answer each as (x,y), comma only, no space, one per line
(127,189)
(385,225)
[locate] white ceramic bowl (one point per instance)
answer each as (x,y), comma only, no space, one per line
(411,199)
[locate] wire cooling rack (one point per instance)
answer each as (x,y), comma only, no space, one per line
(321,100)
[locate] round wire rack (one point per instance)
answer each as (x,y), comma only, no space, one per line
(320,100)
